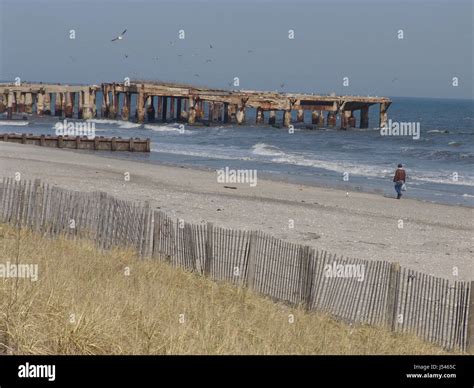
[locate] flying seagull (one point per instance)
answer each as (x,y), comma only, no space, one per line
(208,60)
(210,46)
(120,37)
(196,75)
(282,86)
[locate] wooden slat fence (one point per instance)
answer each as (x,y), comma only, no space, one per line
(353,290)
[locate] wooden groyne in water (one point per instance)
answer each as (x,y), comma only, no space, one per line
(160,101)
(96,143)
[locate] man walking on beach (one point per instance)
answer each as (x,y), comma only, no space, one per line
(399,179)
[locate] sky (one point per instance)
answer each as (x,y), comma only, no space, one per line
(346,47)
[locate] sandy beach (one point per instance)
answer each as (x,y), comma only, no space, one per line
(434,238)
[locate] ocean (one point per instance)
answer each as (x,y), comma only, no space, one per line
(439,163)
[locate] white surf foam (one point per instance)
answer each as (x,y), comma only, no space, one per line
(264,149)
(167,128)
(13,122)
(121,124)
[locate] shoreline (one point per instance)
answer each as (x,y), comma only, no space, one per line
(435,238)
(273,177)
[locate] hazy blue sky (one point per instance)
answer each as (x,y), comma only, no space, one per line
(355,39)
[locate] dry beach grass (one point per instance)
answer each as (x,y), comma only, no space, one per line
(91,302)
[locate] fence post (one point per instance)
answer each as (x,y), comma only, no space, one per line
(470,321)
(392,296)
(209,244)
(305,276)
(252,260)
(38,208)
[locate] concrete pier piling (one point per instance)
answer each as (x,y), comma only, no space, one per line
(272,117)
(172,114)
(28,103)
(192,111)
(150,109)
(287,118)
(240,115)
(47,104)
(383,114)
(345,114)
(21,103)
(331,119)
(39,103)
(300,116)
(260,117)
(10,102)
(140,109)
(159,107)
(69,102)
(58,104)
(126,106)
(186,102)
(364,117)
(351,120)
(164,111)
(3,105)
(179,108)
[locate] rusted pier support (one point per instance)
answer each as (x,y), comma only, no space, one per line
(210,111)
(260,116)
(39,103)
(126,106)
(87,105)
(345,114)
(164,111)
(272,117)
(113,106)
(192,111)
(383,114)
(240,115)
(58,104)
(352,120)
(69,109)
(150,108)
(364,117)
(287,118)
(47,104)
(179,108)
(331,119)
(28,103)
(300,116)
(11,97)
(80,104)
(16,102)
(159,109)
(226,117)
(140,109)
(21,104)
(172,116)
(105,101)
(3,105)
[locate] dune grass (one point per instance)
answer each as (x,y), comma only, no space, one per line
(91,302)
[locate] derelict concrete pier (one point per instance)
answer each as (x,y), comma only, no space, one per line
(146,101)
